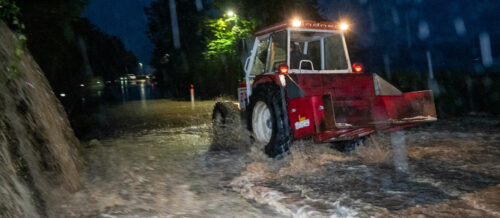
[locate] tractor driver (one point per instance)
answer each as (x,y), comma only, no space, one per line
(296,56)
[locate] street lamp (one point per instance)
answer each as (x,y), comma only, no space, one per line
(230,13)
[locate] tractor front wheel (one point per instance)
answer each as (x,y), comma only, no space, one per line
(267,120)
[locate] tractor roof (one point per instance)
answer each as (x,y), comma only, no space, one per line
(300,24)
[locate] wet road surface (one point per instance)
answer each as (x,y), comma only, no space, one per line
(454,171)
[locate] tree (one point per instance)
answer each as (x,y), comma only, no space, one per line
(267,12)
(52,41)
(209,55)
(221,54)
(107,56)
(175,66)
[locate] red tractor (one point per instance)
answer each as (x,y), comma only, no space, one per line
(300,84)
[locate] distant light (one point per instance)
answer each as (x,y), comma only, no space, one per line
(62,95)
(192,86)
(140,64)
(344,26)
(230,13)
(82,85)
(296,23)
(98,82)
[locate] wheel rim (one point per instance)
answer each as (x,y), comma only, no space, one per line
(262,123)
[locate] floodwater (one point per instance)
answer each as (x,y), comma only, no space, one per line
(453,170)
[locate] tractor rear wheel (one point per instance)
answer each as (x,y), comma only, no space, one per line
(228,133)
(267,120)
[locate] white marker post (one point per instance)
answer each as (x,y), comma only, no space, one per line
(192,96)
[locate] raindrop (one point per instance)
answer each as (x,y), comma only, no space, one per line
(387,66)
(431,82)
(423,30)
(373,26)
(408,30)
(484,42)
(400,153)
(460,26)
(395,15)
(174,23)
(199,5)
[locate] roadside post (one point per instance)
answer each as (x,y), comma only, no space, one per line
(192,96)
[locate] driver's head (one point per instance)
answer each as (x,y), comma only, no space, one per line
(294,46)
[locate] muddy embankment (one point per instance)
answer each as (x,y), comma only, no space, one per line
(38,149)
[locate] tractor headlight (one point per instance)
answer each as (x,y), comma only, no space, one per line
(296,23)
(344,26)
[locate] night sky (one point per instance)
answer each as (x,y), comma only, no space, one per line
(126,20)
(455,22)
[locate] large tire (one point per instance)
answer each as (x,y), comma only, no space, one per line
(227,128)
(268,121)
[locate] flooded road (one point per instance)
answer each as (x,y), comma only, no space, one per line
(453,171)
(164,173)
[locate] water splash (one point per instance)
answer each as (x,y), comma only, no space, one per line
(400,153)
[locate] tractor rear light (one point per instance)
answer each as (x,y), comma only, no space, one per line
(357,67)
(283,69)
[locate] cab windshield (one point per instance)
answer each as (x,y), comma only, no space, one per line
(306,51)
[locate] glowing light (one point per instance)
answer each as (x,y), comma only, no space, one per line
(296,23)
(62,95)
(82,85)
(283,69)
(357,67)
(344,26)
(230,13)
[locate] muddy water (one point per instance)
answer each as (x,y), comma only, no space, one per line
(163,173)
(451,173)
(172,173)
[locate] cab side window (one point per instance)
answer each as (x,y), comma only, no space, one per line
(277,51)
(260,58)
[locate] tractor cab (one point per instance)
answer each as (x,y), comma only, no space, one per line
(304,47)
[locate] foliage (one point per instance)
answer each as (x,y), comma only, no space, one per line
(224,33)
(52,40)
(210,54)
(10,14)
(268,12)
(69,49)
